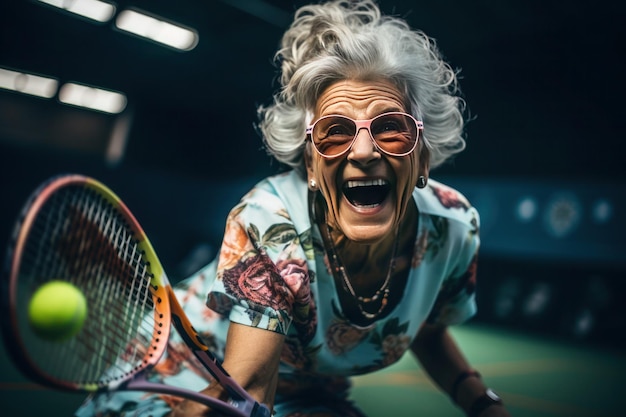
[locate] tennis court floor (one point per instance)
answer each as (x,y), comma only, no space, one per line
(536,377)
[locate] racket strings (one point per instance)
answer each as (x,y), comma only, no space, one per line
(81,237)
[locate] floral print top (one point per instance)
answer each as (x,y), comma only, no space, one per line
(272,273)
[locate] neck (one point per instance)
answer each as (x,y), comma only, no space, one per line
(362,260)
(368,273)
(359,257)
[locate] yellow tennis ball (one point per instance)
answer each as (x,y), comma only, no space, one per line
(57,311)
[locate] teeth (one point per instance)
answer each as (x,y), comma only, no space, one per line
(365,183)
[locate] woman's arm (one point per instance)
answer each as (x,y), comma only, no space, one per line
(251,358)
(442,359)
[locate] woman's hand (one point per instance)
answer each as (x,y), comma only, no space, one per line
(190,408)
(251,358)
(440,356)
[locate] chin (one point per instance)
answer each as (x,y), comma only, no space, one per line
(367,224)
(367,233)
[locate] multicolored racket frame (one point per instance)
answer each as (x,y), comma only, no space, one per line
(75,229)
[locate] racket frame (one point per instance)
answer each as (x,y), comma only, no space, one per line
(241,403)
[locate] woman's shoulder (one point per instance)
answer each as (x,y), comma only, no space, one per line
(283,194)
(439,199)
(282,187)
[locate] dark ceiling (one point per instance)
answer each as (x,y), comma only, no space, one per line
(542,78)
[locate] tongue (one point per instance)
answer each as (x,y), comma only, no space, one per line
(368,196)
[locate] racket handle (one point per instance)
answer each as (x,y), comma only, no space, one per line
(139,383)
(261,410)
(240,398)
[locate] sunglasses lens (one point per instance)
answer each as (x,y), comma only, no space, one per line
(333,135)
(395,133)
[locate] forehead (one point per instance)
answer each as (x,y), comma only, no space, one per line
(360,98)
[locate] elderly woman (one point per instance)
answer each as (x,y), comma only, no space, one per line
(353,257)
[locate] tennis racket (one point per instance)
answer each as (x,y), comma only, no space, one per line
(74,228)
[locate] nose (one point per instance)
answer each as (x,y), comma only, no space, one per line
(363,150)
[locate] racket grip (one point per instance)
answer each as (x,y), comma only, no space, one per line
(240,398)
(261,410)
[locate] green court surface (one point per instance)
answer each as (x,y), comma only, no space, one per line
(535,376)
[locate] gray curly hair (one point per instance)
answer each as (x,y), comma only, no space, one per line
(341,40)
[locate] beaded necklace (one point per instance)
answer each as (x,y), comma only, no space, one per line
(381,294)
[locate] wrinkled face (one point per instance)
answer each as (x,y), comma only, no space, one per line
(366,191)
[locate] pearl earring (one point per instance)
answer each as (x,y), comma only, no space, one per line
(421,181)
(313,184)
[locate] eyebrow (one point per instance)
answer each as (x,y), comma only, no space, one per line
(342,112)
(388,109)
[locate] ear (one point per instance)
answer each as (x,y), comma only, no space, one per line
(308,162)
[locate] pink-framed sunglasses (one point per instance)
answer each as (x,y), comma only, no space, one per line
(393,133)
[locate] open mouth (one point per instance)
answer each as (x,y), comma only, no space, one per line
(366,194)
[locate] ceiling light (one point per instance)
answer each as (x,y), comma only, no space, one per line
(92,98)
(157,29)
(22,82)
(100,11)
